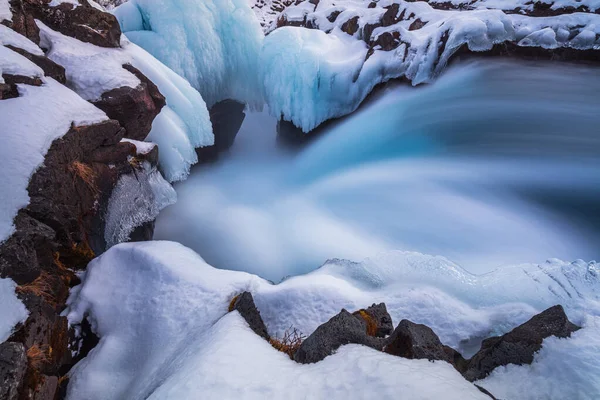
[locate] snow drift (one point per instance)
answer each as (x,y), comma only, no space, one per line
(195,346)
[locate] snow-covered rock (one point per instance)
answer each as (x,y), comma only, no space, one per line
(196,347)
(182,125)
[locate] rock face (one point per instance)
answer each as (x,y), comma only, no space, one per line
(417,341)
(227,117)
(134,108)
(83,22)
(379,323)
(13,364)
(63,226)
(244,304)
(342,329)
(519,345)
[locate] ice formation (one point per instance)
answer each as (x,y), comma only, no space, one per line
(214,44)
(182,125)
(135,201)
(166,289)
(12,311)
(413,40)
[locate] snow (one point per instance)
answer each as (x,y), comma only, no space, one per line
(8,37)
(5,13)
(183,125)
(12,63)
(135,200)
(196,347)
(214,44)
(13,311)
(141,147)
(50,109)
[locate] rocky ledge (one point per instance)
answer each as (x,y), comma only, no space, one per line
(373,327)
(64,225)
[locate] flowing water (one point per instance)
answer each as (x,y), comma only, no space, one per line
(495,163)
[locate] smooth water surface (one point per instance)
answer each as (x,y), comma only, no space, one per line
(493,164)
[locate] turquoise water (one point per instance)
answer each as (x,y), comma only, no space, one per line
(493,164)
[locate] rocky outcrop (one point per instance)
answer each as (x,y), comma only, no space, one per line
(134,108)
(13,365)
(244,304)
(63,226)
(519,345)
(340,330)
(378,320)
(417,341)
(226,117)
(84,22)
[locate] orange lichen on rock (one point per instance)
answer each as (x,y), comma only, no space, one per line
(370,321)
(85,173)
(232,303)
(37,356)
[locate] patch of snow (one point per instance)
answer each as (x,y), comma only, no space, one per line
(51,109)
(182,126)
(13,311)
(12,63)
(214,44)
(135,200)
(142,147)
(5,13)
(8,37)
(196,347)
(55,3)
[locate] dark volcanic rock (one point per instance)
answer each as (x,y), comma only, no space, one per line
(134,108)
(227,117)
(49,67)
(342,329)
(244,304)
(13,364)
(417,341)
(84,22)
(519,345)
(378,320)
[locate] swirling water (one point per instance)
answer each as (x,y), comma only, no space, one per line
(493,164)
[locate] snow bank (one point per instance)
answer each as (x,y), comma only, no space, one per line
(183,125)
(214,44)
(12,311)
(5,13)
(194,347)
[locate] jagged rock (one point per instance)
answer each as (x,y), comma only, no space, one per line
(378,320)
(46,389)
(417,341)
(84,22)
(486,392)
(134,108)
(50,68)
(13,364)
(46,329)
(351,26)
(227,117)
(519,345)
(342,329)
(244,304)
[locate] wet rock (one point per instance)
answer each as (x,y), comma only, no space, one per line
(342,329)
(519,345)
(134,108)
(417,341)
(227,117)
(13,365)
(378,320)
(244,304)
